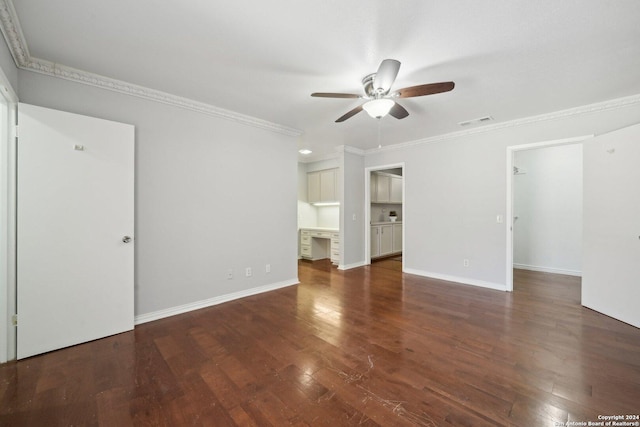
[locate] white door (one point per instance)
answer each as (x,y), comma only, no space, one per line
(611,224)
(75,207)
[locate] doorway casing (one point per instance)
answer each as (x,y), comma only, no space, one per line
(367,204)
(509,208)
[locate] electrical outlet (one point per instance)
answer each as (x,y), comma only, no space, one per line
(465,262)
(248,272)
(229,274)
(267,268)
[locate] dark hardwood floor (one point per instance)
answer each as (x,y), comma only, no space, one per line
(369,346)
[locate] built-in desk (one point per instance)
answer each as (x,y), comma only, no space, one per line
(320,243)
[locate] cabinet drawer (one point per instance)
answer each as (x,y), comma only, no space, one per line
(305,233)
(305,240)
(335,256)
(335,244)
(305,250)
(321,234)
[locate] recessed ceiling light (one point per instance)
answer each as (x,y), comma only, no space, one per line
(305,151)
(476,121)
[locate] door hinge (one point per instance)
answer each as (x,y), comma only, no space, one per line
(14,320)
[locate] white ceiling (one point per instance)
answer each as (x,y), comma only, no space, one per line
(509,58)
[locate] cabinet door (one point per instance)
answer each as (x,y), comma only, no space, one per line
(383,188)
(396,189)
(386,239)
(313,187)
(375,241)
(397,237)
(373,187)
(328,186)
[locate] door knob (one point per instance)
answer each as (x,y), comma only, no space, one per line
(126,239)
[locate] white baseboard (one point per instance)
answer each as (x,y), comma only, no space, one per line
(172,311)
(350,266)
(456,279)
(548,269)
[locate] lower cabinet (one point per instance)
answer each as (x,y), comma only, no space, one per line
(386,239)
(335,248)
(397,237)
(319,244)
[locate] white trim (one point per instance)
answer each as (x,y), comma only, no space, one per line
(8,225)
(350,266)
(509,196)
(12,31)
(548,269)
(456,279)
(10,26)
(352,150)
(185,308)
(585,109)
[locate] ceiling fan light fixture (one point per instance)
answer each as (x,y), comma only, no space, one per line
(378,108)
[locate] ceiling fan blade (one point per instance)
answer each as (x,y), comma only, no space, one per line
(350,114)
(398,111)
(428,89)
(334,95)
(386,75)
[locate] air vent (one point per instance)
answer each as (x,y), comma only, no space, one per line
(476,121)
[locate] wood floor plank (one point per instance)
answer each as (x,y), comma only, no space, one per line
(368,346)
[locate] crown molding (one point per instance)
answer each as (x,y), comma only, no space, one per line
(318,158)
(10,26)
(585,109)
(12,32)
(353,150)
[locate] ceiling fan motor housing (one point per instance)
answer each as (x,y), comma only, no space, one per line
(367,82)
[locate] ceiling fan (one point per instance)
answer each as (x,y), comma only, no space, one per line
(381,101)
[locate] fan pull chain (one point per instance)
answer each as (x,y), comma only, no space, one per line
(379,143)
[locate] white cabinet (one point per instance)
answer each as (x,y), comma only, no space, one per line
(375,241)
(313,187)
(383,188)
(385,239)
(319,244)
(322,186)
(397,237)
(386,188)
(335,248)
(395,189)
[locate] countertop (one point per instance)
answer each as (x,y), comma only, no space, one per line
(320,229)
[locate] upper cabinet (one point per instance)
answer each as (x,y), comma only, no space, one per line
(386,188)
(323,186)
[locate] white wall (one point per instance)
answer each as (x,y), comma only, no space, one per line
(456,186)
(211,195)
(380,211)
(352,214)
(547,200)
(307,213)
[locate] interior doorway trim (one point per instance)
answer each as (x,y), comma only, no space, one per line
(367,204)
(509,216)
(8,200)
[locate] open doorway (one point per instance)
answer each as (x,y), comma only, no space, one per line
(544,207)
(385,215)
